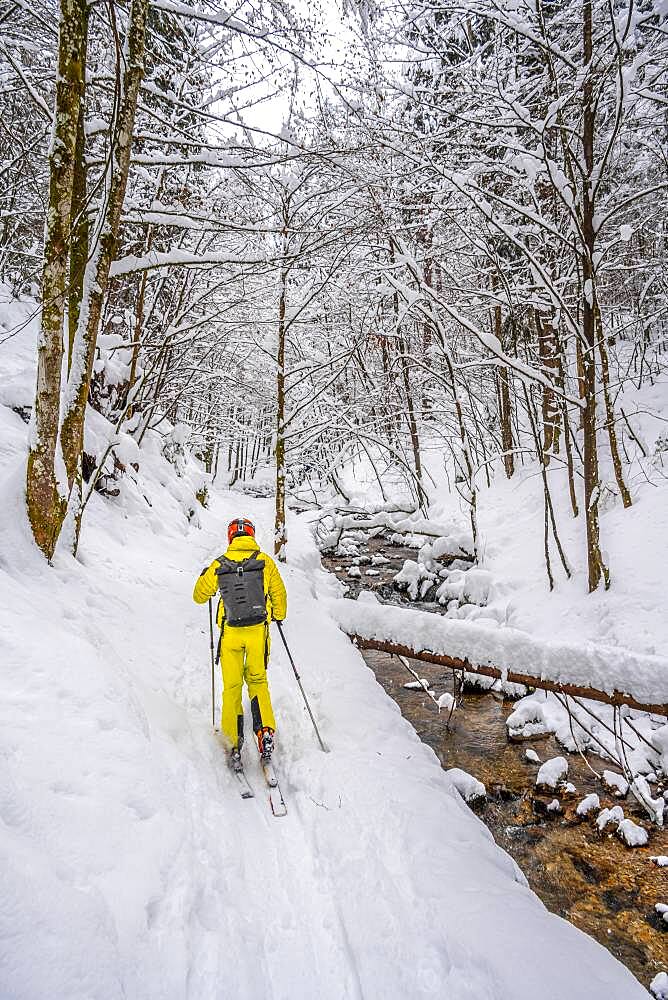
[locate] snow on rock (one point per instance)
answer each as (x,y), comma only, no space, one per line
(554,806)
(608,816)
(415,578)
(588,803)
(530,717)
(607,669)
(616,783)
(662,910)
(532,756)
(470,586)
(660,859)
(354,572)
(632,833)
(468,787)
(421,685)
(659,986)
(552,772)
(378,560)
(446,701)
(367,597)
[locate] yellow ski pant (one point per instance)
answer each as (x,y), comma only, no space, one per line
(244,653)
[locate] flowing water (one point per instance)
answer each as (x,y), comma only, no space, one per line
(591,879)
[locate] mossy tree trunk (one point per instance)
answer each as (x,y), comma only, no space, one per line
(45,486)
(104,240)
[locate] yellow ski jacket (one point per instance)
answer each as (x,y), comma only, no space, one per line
(240,548)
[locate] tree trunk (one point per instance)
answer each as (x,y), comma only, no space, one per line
(45,486)
(96,279)
(505,410)
(78,216)
(595,566)
(412,427)
(280,533)
(610,415)
(548,352)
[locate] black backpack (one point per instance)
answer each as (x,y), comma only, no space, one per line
(241,586)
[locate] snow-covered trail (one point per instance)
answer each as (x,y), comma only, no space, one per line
(260,901)
(131,867)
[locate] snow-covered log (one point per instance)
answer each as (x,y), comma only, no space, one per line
(602,673)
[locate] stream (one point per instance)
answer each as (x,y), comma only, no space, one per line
(603,887)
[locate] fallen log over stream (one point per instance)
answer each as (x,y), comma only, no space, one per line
(611,675)
(511,676)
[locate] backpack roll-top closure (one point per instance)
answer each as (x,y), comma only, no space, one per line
(241,586)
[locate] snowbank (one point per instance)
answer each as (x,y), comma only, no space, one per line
(605,669)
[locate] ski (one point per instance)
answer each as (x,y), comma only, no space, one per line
(276,801)
(244,788)
(269,773)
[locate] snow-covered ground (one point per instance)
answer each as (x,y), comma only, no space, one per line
(129,865)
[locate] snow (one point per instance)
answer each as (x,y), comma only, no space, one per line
(554,806)
(662,910)
(632,833)
(532,756)
(610,816)
(138,871)
(541,713)
(643,677)
(660,859)
(641,791)
(659,986)
(552,772)
(468,787)
(446,701)
(588,804)
(616,783)
(510,519)
(130,865)
(659,740)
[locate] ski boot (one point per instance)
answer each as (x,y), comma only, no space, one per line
(265,743)
(234,760)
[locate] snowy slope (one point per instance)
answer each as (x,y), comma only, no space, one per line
(129,865)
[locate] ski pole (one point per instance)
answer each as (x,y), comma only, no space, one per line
(213,668)
(323,747)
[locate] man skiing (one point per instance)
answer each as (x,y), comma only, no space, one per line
(252,593)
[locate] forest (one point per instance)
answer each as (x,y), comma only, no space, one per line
(389,278)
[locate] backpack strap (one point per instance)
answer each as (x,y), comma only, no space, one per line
(234,563)
(237,565)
